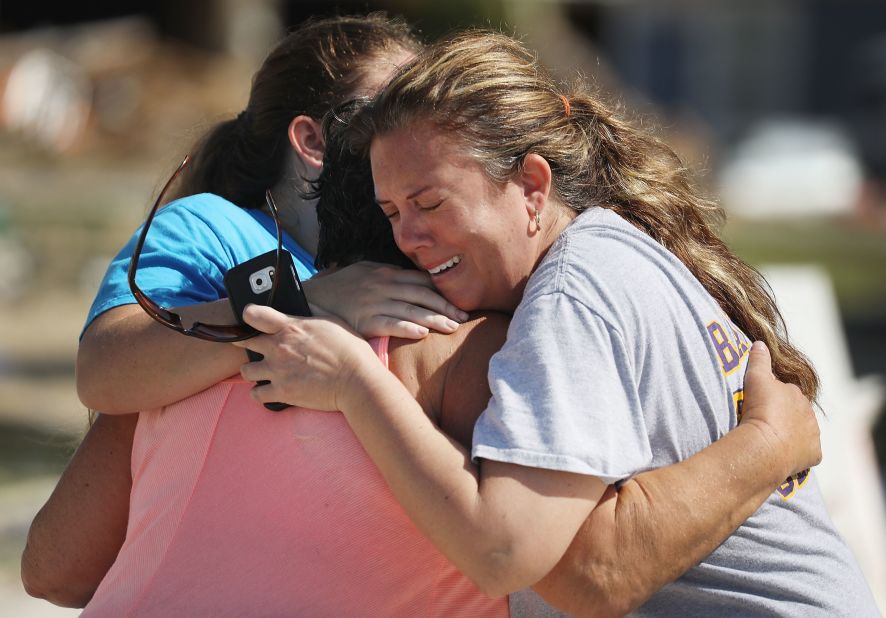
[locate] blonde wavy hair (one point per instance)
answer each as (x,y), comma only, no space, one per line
(490,91)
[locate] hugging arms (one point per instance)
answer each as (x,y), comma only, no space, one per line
(643,533)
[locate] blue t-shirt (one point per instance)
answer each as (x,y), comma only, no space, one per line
(191,245)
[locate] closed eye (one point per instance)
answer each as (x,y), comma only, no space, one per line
(387,209)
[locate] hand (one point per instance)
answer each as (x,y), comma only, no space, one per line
(781,412)
(310,362)
(378,299)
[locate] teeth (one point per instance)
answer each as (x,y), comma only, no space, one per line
(445,266)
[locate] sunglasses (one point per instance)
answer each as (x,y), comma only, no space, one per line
(222,333)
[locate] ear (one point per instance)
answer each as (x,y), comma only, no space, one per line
(535,180)
(306,138)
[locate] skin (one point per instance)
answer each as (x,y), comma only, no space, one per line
(442,208)
(68,550)
(597,562)
(505,526)
(650,531)
(615,562)
(117,370)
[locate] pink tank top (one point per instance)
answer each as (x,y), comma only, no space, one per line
(236,510)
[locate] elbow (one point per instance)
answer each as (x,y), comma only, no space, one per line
(494,584)
(63,597)
(94,390)
(89,391)
(58,588)
(52,574)
(87,395)
(504,571)
(597,593)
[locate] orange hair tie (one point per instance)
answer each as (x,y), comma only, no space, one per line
(566,107)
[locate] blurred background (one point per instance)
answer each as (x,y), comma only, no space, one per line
(778,106)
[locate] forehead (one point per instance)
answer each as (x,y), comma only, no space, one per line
(420,155)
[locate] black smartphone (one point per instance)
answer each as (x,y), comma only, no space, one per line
(251,282)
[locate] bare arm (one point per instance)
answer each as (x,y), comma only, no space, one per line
(657,526)
(128,362)
(76,536)
(661,523)
(504,526)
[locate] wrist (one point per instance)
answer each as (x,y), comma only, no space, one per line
(360,379)
(769,450)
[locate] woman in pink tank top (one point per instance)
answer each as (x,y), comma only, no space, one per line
(270,515)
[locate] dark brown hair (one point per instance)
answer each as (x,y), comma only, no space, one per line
(352,226)
(317,66)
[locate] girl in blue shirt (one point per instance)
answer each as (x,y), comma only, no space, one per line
(126,361)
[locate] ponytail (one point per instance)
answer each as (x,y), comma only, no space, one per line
(229,162)
(644,181)
(313,69)
(490,91)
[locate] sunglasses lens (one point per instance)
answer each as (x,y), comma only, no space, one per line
(222,333)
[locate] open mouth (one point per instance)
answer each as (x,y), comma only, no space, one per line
(436,270)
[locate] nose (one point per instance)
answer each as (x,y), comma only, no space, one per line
(411,232)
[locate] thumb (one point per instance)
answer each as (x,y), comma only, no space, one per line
(759,363)
(264,319)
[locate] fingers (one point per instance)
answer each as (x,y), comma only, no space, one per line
(759,362)
(430,299)
(401,319)
(378,297)
(256,372)
(385,326)
(413,287)
(264,393)
(253,372)
(782,411)
(420,297)
(264,319)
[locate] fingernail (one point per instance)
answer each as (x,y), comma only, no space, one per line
(452,324)
(462,316)
(421,331)
(760,346)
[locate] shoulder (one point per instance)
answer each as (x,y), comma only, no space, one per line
(447,373)
(207,208)
(601,239)
(208,224)
(602,259)
(478,338)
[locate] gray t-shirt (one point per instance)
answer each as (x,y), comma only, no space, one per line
(618,361)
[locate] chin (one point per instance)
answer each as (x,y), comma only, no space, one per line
(461,301)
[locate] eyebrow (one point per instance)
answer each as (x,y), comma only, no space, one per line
(411,196)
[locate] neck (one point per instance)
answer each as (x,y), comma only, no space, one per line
(297,215)
(553,228)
